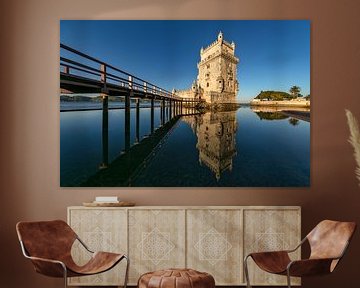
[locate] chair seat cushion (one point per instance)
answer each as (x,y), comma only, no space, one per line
(99,262)
(272,262)
(176,278)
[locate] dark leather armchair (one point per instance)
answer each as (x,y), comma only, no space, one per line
(328,242)
(48,245)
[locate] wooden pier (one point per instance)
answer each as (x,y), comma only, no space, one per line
(81,73)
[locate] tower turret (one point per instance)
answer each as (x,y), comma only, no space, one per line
(220,36)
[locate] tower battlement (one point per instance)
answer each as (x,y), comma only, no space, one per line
(218,42)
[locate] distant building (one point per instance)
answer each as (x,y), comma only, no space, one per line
(217,77)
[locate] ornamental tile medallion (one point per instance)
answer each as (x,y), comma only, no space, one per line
(213,246)
(155,246)
(269,241)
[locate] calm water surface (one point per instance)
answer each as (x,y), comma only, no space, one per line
(240,148)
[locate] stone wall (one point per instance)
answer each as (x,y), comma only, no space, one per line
(288,103)
(185,93)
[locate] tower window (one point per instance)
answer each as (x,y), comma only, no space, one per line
(207,84)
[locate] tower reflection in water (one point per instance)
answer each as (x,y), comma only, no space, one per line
(216,139)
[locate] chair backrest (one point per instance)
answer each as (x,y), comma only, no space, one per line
(46,239)
(329,239)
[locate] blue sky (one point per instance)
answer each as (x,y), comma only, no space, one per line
(274,54)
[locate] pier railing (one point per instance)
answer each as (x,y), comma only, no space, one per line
(86,67)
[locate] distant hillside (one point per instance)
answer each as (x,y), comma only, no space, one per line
(80,98)
(274,96)
(271,115)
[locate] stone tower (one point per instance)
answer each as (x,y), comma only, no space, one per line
(217,77)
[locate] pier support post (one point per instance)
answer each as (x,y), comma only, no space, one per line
(163,111)
(127,121)
(152,115)
(162,108)
(103,73)
(137,128)
(165,107)
(170,109)
(166,111)
(105,132)
(103,79)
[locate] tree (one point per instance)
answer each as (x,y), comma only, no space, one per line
(295,91)
(274,95)
(294,121)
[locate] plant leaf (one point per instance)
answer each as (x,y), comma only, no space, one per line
(354,140)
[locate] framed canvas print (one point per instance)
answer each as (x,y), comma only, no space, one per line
(175,103)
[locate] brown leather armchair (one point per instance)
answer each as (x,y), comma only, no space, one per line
(48,245)
(328,242)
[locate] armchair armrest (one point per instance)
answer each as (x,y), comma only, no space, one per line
(83,244)
(280,252)
(298,246)
(314,266)
(49,267)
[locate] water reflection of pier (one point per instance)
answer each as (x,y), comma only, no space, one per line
(125,167)
(122,170)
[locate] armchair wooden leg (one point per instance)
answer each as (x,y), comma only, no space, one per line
(246,270)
